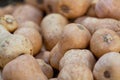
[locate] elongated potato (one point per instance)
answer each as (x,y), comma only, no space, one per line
(93,24)
(73,36)
(27,13)
(52,27)
(24,67)
(77,56)
(112,11)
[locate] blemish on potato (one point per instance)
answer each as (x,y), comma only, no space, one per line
(80,27)
(9,20)
(107,38)
(107,74)
(65,8)
(50,8)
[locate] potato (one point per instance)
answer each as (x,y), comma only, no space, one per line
(103,41)
(52,27)
(45,55)
(13,46)
(50,6)
(36,3)
(33,35)
(31,24)
(46,68)
(9,22)
(1,75)
(112,11)
(73,36)
(107,67)
(91,10)
(77,56)
(72,8)
(93,24)
(27,13)
(24,67)
(75,72)
(53,79)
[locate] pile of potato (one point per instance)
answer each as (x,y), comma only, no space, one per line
(60,40)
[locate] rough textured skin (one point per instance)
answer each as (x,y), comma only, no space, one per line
(36,3)
(13,46)
(9,22)
(93,24)
(33,35)
(112,11)
(27,13)
(45,55)
(31,24)
(50,6)
(73,8)
(75,72)
(52,27)
(77,56)
(25,67)
(108,67)
(46,68)
(73,36)
(103,41)
(91,10)
(53,79)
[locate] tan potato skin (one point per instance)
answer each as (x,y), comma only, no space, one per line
(73,36)
(73,8)
(33,35)
(25,67)
(13,46)
(103,41)
(75,72)
(45,55)
(9,22)
(31,24)
(77,56)
(50,6)
(46,68)
(27,13)
(93,24)
(53,79)
(36,3)
(112,11)
(52,27)
(108,67)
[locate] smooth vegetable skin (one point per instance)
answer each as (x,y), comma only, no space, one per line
(24,67)
(107,67)
(73,36)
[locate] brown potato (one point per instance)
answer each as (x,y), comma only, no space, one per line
(33,35)
(112,11)
(75,72)
(31,24)
(77,56)
(46,68)
(13,46)
(72,8)
(73,36)
(107,67)
(50,6)
(45,55)
(93,24)
(36,3)
(25,67)
(9,22)
(52,27)
(103,41)
(27,13)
